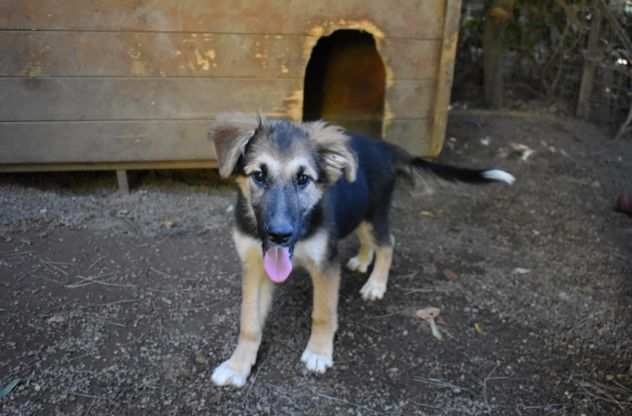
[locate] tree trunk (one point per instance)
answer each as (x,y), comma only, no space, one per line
(497,18)
(590,65)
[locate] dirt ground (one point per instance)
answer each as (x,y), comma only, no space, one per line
(122,305)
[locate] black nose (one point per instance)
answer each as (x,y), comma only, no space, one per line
(280,234)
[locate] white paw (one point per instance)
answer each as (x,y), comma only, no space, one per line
(358,264)
(224,375)
(372,290)
(316,362)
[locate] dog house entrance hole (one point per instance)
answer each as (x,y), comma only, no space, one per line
(345,82)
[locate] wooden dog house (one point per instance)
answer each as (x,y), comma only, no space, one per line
(127,84)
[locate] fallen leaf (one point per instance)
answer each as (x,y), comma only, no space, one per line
(9,388)
(523,151)
(429,314)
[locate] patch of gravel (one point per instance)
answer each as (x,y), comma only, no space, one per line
(160,208)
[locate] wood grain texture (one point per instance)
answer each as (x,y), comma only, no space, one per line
(125,98)
(50,99)
(61,167)
(116,54)
(414,135)
(144,141)
(128,84)
(98,141)
(139,54)
(445,75)
(411,99)
(420,19)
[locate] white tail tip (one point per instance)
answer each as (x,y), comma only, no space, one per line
(499,175)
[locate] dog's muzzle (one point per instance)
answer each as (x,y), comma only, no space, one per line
(277,250)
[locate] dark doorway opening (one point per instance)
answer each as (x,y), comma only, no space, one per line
(345,82)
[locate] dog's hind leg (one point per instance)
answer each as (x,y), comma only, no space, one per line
(362,260)
(380,234)
(318,355)
(256,298)
(375,286)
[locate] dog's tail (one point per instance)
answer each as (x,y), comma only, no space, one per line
(454,173)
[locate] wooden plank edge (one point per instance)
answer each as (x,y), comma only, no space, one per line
(123,183)
(445,74)
(115,166)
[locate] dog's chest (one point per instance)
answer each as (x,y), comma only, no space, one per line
(312,251)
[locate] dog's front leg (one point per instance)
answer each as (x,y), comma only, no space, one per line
(318,355)
(256,296)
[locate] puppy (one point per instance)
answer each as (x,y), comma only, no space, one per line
(303,187)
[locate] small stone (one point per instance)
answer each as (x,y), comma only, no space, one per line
(200,359)
(56,319)
(450,275)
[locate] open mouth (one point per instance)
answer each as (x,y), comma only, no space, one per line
(277,262)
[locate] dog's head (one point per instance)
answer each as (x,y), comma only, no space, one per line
(282,170)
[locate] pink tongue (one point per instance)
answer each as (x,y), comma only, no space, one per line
(277,264)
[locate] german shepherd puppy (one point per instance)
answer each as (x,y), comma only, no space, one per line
(303,187)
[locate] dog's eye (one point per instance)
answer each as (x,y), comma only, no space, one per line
(302,180)
(259,177)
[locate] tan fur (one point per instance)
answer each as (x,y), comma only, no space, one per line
(256,298)
(282,168)
(375,287)
(331,142)
(318,355)
(295,164)
(229,133)
(362,260)
(311,253)
(275,166)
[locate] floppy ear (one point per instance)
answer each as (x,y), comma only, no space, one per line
(332,145)
(230,133)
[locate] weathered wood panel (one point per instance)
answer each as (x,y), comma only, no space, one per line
(126,84)
(86,142)
(445,74)
(145,98)
(410,59)
(47,99)
(414,135)
(143,141)
(403,18)
(150,54)
(410,99)
(60,167)
(186,55)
